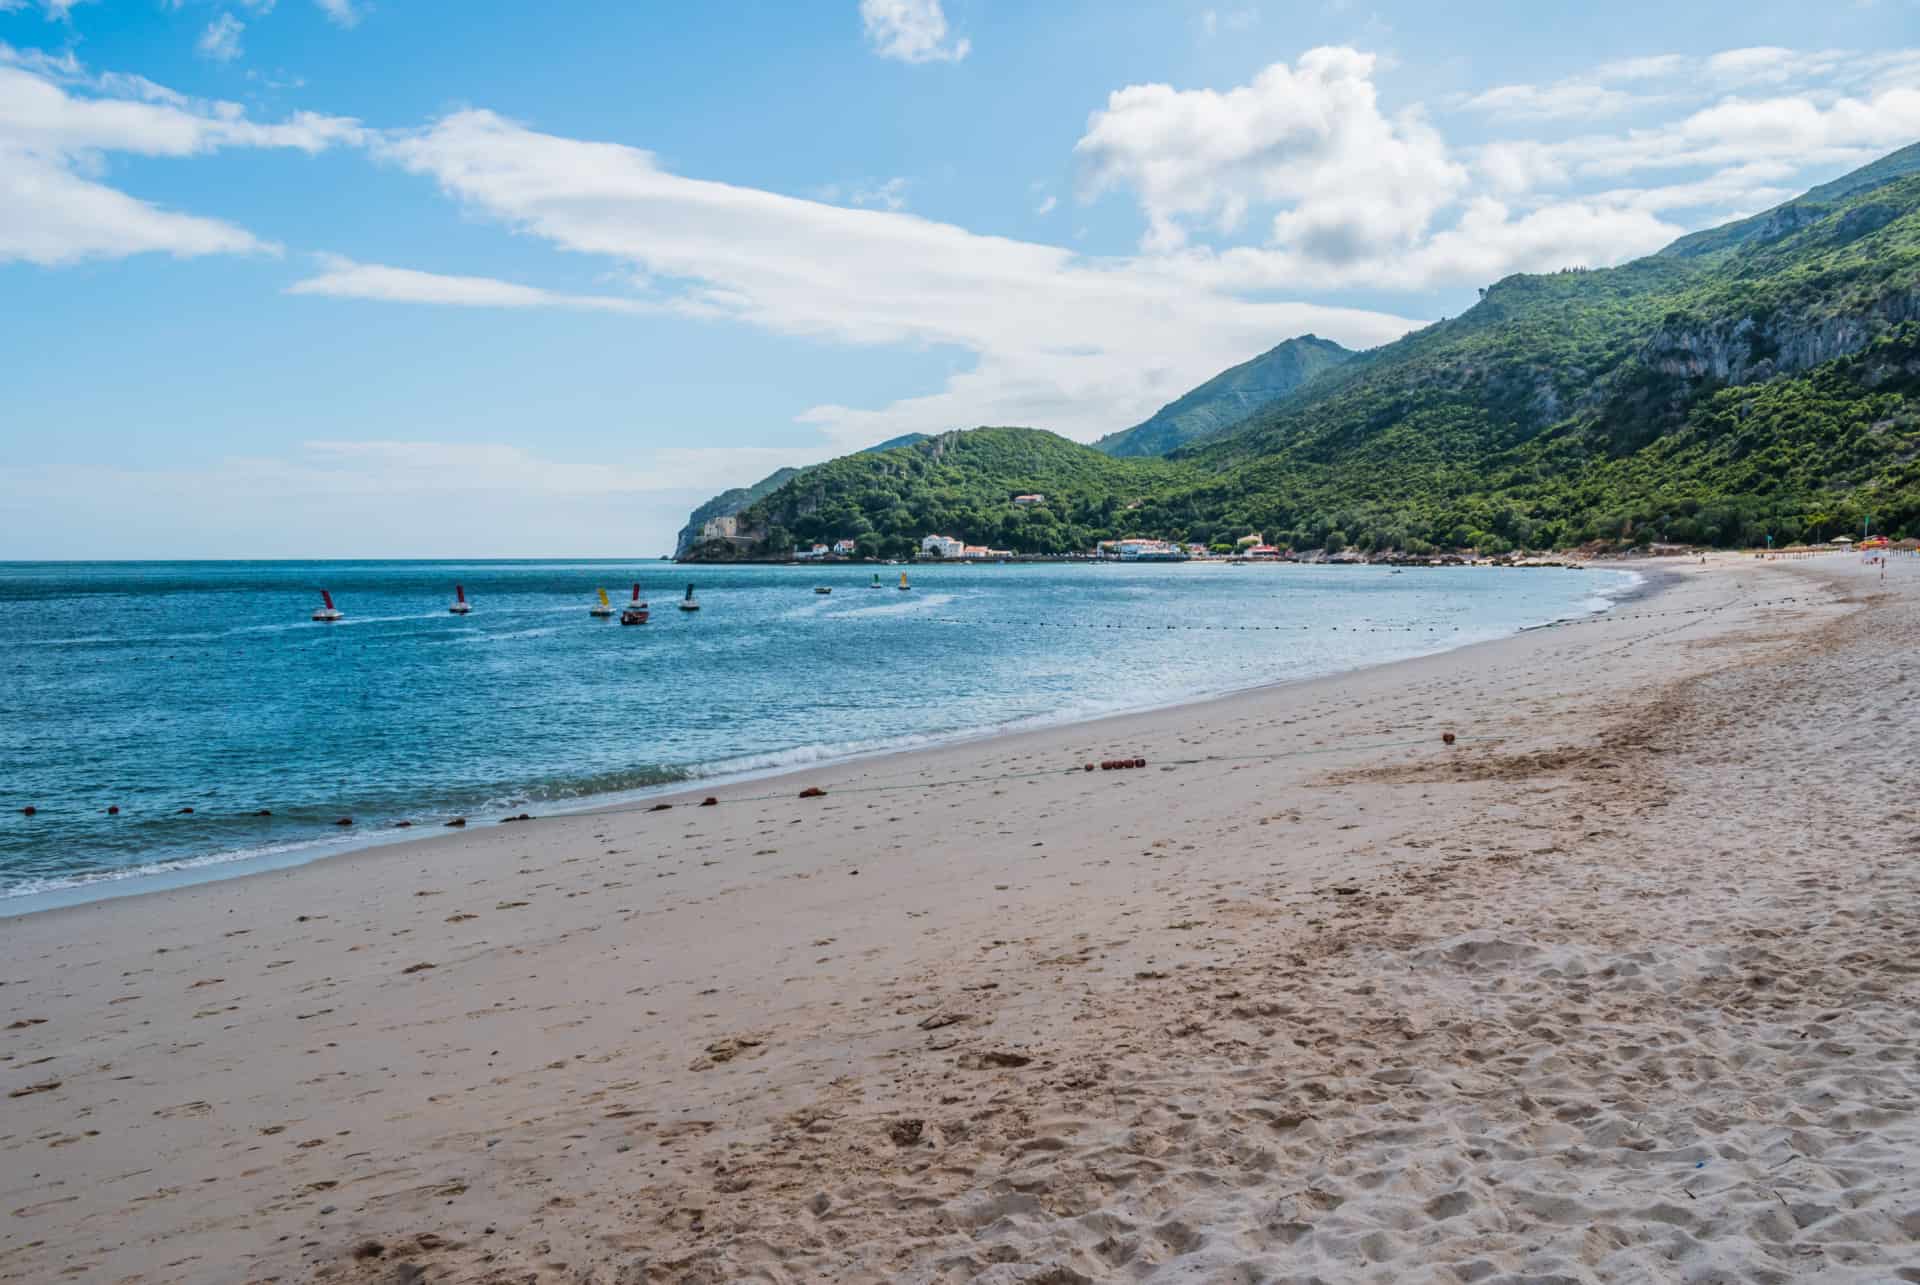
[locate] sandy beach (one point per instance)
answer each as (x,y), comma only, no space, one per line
(1619,986)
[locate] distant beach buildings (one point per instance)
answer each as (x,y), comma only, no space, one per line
(1028,501)
(1141,551)
(945,546)
(942,546)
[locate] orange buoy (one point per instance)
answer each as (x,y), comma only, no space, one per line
(1447,738)
(813,792)
(29,810)
(709,802)
(114,811)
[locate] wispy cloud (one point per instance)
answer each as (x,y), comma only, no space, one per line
(911,31)
(888,195)
(58,125)
(1066,343)
(221,39)
(1214,21)
(342,278)
(342,13)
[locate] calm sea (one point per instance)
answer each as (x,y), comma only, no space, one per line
(157,687)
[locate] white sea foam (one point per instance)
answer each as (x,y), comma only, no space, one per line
(919,602)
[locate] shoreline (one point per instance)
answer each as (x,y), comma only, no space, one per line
(158,878)
(1314,993)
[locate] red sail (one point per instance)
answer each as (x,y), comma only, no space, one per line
(460,593)
(327,598)
(636,593)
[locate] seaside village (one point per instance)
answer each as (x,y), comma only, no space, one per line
(948,548)
(1254,547)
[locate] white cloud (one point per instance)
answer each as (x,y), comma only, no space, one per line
(1358,198)
(1487,241)
(221,40)
(342,13)
(1310,137)
(1046,206)
(911,31)
(1793,129)
(344,279)
(54,144)
(1060,342)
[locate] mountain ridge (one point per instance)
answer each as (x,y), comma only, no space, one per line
(1751,381)
(1229,397)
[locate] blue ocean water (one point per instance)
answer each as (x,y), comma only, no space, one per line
(157,687)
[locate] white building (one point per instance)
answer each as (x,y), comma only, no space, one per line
(844,548)
(1027,501)
(942,546)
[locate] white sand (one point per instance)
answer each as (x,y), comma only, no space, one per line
(1620,987)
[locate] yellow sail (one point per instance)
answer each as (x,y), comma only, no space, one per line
(603,598)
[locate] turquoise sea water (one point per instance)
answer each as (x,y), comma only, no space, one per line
(157,687)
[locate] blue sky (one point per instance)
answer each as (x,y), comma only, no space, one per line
(352,278)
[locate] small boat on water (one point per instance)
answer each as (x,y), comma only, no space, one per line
(820,588)
(460,606)
(687,603)
(602,607)
(904,586)
(635,612)
(328,613)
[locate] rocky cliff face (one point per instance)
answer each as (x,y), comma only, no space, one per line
(1742,350)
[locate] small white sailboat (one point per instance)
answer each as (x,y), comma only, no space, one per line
(636,611)
(602,607)
(904,586)
(687,603)
(460,606)
(328,613)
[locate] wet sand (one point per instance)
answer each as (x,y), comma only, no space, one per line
(1618,986)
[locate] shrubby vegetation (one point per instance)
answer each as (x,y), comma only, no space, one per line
(963,484)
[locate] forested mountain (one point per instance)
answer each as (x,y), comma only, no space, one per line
(731,501)
(961,484)
(1228,398)
(1758,379)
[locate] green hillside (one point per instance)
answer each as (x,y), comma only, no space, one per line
(1228,398)
(731,501)
(962,484)
(1526,418)
(1754,380)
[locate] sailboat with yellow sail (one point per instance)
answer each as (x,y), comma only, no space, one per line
(602,607)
